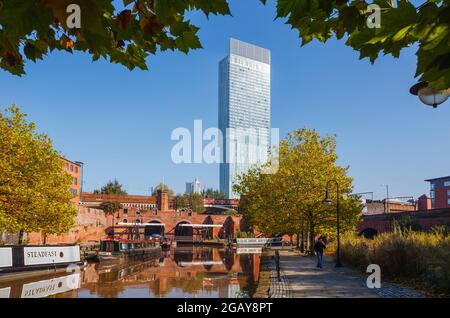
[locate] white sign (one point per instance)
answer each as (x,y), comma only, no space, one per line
(249,250)
(6,257)
(38,255)
(4,292)
(252,241)
(49,287)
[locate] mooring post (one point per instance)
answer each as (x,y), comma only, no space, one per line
(277,263)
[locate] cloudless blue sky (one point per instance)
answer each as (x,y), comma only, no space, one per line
(119,122)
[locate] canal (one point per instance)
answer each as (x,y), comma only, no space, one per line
(183,272)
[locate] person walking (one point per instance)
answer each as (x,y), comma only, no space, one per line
(319,246)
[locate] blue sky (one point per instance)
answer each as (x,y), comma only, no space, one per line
(119,122)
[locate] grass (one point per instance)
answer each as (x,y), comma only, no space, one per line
(420,258)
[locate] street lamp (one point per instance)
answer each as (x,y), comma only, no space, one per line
(328,201)
(428,95)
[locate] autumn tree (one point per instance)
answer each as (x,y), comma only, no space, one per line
(128,31)
(291,200)
(34,188)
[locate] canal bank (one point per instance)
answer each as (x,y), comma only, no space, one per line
(263,285)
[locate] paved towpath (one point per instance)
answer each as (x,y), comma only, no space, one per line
(299,278)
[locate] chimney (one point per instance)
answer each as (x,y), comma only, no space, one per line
(163,200)
(424,203)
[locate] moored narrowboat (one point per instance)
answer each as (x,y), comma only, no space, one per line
(114,249)
(38,258)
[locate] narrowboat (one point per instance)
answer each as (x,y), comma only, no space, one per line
(34,259)
(114,249)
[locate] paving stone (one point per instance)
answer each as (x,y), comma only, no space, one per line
(299,278)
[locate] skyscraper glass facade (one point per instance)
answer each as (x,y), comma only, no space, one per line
(244,111)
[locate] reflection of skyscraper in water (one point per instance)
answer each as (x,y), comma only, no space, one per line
(244,109)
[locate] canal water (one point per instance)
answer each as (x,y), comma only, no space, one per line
(183,272)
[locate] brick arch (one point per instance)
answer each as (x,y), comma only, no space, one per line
(180,231)
(369,232)
(150,230)
(228,228)
(208,232)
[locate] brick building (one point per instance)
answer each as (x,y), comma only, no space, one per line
(440,192)
(159,209)
(387,206)
(74,169)
(90,222)
(90,226)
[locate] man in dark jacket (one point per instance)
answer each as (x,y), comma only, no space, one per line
(319,246)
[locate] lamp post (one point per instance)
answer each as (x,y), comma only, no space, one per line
(328,201)
(428,95)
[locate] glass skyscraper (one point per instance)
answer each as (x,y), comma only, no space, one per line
(244,111)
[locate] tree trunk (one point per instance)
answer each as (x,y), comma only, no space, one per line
(311,238)
(302,243)
(45,238)
(21,237)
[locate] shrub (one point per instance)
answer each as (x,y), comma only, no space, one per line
(403,254)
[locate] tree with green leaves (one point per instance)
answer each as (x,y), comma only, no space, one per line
(291,200)
(128,32)
(211,193)
(34,188)
(110,207)
(112,187)
(193,201)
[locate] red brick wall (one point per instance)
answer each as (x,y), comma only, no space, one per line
(91,224)
(441,198)
(231,224)
(74,170)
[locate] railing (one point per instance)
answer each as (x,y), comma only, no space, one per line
(179,238)
(253,241)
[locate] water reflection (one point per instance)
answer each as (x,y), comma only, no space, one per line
(182,272)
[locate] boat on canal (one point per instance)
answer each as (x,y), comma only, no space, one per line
(114,249)
(125,241)
(28,260)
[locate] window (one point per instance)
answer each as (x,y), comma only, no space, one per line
(448,193)
(446,183)
(448,201)
(76,169)
(125,211)
(73,191)
(432,194)
(71,168)
(75,181)
(67,166)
